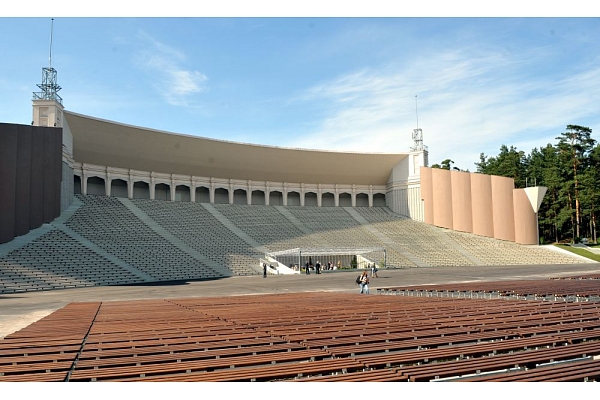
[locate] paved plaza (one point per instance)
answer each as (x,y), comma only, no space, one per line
(18,310)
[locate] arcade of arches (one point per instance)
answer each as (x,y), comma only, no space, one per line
(224,192)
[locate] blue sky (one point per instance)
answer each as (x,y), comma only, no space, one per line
(317,82)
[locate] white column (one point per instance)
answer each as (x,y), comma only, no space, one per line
(230,191)
(152,186)
(336,196)
(353,195)
(172,189)
(319,195)
(249,194)
(192,190)
(84,182)
(267,193)
(107,183)
(285,193)
(130,184)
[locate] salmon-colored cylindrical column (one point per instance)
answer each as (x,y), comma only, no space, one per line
(442,197)
(462,217)
(481,205)
(427,194)
(503,207)
(525,219)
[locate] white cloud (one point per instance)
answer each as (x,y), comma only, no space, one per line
(468,104)
(164,66)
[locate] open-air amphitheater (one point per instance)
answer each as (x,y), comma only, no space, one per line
(145,252)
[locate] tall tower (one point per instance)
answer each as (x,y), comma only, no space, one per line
(47,103)
(48,111)
(418,151)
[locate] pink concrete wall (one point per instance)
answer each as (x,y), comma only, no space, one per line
(525,219)
(503,207)
(481,202)
(427,194)
(442,197)
(462,217)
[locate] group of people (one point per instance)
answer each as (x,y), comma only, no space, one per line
(318,267)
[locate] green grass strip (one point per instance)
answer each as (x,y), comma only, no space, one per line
(580,252)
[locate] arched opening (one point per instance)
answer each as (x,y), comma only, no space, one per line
(141,190)
(346,200)
(182,193)
(293,199)
(239,197)
(118,188)
(362,200)
(327,200)
(310,199)
(162,191)
(258,197)
(276,198)
(379,200)
(221,196)
(76,184)
(202,195)
(96,186)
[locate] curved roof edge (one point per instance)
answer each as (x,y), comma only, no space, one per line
(103,142)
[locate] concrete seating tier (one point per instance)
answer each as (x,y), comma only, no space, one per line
(429,247)
(500,252)
(200,230)
(314,336)
(57,261)
(267,226)
(183,240)
(107,223)
(336,228)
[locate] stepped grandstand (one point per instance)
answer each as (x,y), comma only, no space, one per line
(101,240)
(87,202)
(95,202)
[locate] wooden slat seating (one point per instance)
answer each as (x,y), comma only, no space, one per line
(458,352)
(372,375)
(326,336)
(526,358)
(49,346)
(371,345)
(571,371)
(551,289)
(101,372)
(272,372)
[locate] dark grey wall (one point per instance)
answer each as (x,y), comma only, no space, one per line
(30,178)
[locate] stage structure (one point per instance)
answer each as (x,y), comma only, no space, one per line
(298,257)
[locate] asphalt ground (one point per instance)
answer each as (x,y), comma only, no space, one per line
(19,310)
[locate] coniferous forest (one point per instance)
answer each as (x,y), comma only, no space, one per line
(569,168)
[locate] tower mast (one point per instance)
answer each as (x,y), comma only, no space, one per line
(47,103)
(417,134)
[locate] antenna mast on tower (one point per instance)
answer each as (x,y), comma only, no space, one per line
(417,133)
(49,87)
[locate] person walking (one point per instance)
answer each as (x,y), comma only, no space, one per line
(374,271)
(264,270)
(364,282)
